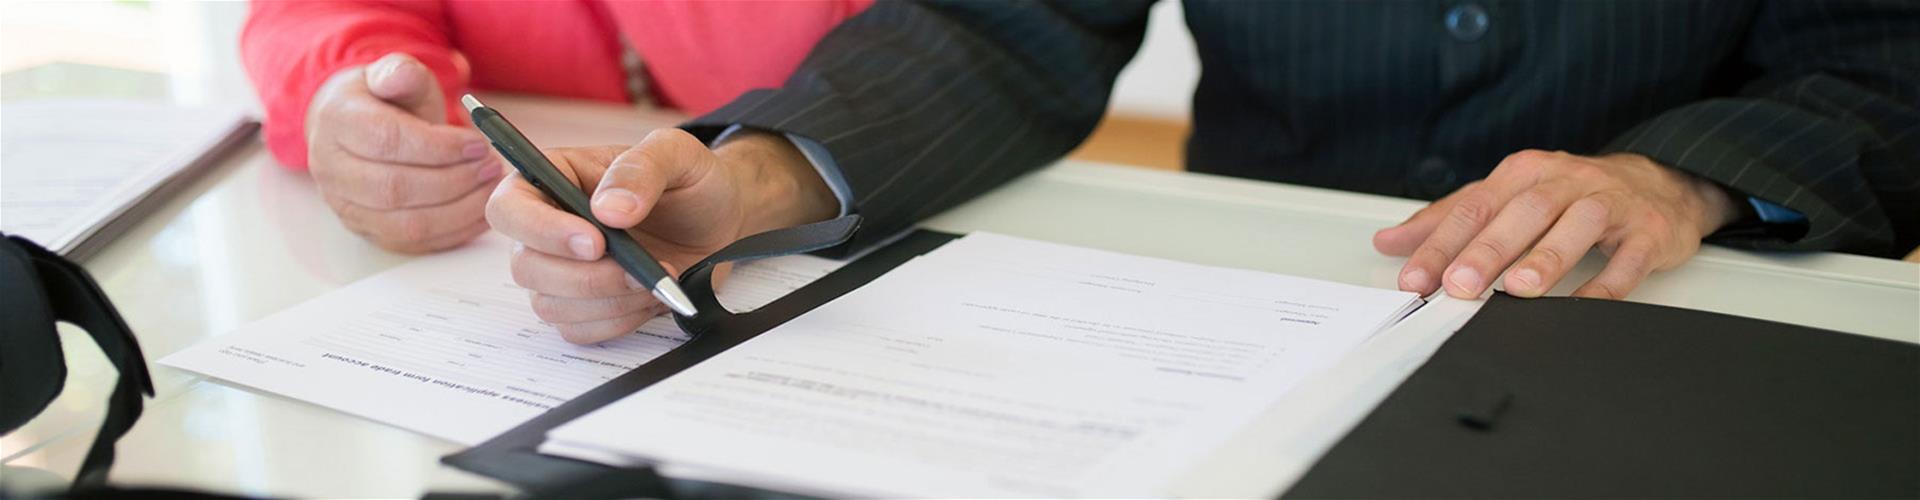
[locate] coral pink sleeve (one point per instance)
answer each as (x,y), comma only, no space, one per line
(289,48)
(702,55)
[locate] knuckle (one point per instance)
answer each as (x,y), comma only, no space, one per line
(325,108)
(1582,170)
(1654,222)
(601,280)
(548,307)
(502,210)
(1431,254)
(1588,170)
(662,148)
(1473,211)
(1529,156)
(1609,290)
(324,116)
(1485,249)
(1534,201)
(1546,257)
(1590,211)
(649,156)
(622,306)
(389,188)
(1608,247)
(524,272)
(1633,260)
(1526,159)
(669,135)
(326,162)
(410,227)
(394,243)
(349,213)
(382,140)
(576,334)
(592,332)
(563,152)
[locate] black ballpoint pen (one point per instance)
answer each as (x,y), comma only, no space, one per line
(533,165)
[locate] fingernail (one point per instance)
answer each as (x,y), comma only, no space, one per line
(581,245)
(383,68)
(489,171)
(617,201)
(1528,282)
(1464,280)
(633,283)
(1415,280)
(475,150)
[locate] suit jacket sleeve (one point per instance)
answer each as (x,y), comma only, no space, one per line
(923,105)
(1830,127)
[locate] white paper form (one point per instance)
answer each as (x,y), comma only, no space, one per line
(448,346)
(70,166)
(995,366)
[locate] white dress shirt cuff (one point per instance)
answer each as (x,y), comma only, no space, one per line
(817,155)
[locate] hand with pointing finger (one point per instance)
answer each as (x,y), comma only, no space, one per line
(389,164)
(1540,212)
(680,200)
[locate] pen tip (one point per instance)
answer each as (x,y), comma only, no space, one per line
(470,102)
(669,293)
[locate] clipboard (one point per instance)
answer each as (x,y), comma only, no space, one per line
(1552,397)
(513,456)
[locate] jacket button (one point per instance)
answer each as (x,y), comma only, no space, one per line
(1433,177)
(1467,22)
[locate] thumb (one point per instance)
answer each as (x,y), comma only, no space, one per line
(667,159)
(403,81)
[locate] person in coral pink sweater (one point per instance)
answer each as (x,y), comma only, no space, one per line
(361,94)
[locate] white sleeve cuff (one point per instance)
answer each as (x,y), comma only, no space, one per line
(817,155)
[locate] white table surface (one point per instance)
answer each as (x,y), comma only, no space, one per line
(253,238)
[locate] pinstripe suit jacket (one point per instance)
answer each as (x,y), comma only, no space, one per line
(1810,104)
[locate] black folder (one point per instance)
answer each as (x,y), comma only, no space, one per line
(1553,397)
(1567,397)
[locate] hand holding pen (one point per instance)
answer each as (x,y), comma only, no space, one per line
(677,199)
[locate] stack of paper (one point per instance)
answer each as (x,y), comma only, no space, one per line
(451,334)
(995,366)
(73,170)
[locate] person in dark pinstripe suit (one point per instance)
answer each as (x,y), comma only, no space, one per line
(1543,128)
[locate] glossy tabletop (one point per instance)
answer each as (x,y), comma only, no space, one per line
(253,238)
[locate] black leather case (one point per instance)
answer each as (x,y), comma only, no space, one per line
(1575,398)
